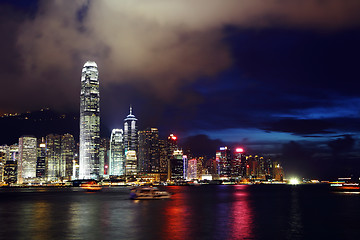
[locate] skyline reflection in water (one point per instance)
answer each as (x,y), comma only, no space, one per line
(241,215)
(207,212)
(194,212)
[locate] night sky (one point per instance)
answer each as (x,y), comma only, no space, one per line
(276,77)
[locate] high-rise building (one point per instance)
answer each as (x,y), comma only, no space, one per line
(131,163)
(41,160)
(171,147)
(237,163)
(27,159)
(89,122)
(223,159)
(117,154)
(192,172)
(149,151)
(53,157)
(2,163)
(10,172)
(130,132)
(10,166)
(67,156)
(163,156)
(104,153)
(177,166)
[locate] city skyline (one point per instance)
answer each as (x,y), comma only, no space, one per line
(274,78)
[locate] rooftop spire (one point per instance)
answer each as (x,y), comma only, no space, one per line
(130,110)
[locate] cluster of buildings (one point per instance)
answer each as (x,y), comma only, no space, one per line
(127,155)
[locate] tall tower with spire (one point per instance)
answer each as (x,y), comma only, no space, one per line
(89,122)
(130,132)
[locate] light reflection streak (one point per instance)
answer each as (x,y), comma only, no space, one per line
(241,215)
(296,227)
(41,220)
(84,220)
(176,214)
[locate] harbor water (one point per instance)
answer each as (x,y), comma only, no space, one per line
(193,212)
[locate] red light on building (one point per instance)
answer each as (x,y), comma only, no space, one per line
(172,137)
(247,166)
(239,150)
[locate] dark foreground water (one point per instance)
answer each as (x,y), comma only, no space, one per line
(194,212)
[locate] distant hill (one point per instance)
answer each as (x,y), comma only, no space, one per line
(37,123)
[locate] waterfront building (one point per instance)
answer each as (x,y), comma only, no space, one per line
(223,160)
(130,132)
(41,160)
(10,166)
(89,122)
(104,152)
(27,159)
(14,152)
(192,172)
(53,157)
(131,163)
(2,164)
(170,147)
(117,153)
(149,151)
(67,156)
(177,166)
(278,172)
(185,166)
(10,172)
(236,163)
(163,156)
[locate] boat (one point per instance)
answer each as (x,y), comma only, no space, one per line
(148,193)
(345,185)
(91,186)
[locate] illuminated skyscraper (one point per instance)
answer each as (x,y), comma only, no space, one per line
(41,160)
(149,151)
(223,160)
(170,146)
(130,132)
(67,156)
(27,158)
(177,166)
(10,168)
(192,171)
(104,153)
(131,163)
(89,122)
(117,155)
(2,163)
(53,157)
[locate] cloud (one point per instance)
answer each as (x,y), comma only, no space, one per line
(301,126)
(159,46)
(342,145)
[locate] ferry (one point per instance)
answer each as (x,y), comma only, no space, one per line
(148,193)
(91,186)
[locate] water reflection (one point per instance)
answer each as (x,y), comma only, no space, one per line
(241,218)
(175,216)
(220,212)
(296,228)
(41,220)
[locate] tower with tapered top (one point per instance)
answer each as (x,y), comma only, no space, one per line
(130,132)
(89,122)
